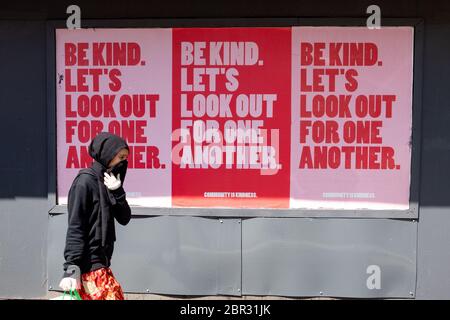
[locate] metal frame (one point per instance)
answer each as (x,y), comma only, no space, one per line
(411,214)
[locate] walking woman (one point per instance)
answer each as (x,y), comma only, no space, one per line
(96,199)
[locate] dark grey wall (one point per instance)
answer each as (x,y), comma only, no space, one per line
(24,220)
(434,228)
(23,166)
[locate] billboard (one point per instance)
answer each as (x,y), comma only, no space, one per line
(274,118)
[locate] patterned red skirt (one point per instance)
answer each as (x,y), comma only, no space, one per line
(100,284)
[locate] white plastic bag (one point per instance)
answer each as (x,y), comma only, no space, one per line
(73,295)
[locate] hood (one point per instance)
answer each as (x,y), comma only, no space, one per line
(105,146)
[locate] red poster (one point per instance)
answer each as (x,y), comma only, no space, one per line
(231,117)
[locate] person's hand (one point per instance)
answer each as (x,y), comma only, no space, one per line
(68,284)
(111,182)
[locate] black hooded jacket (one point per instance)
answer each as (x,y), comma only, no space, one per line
(92,208)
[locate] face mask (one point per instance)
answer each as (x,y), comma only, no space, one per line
(121,168)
